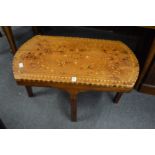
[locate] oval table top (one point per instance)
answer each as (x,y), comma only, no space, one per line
(76,60)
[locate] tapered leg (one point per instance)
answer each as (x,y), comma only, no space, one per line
(8,32)
(74,108)
(117,97)
(29,91)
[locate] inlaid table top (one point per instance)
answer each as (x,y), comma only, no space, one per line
(73,60)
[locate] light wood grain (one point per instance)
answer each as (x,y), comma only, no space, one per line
(93,62)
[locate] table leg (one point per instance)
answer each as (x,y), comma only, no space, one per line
(73,107)
(29,91)
(8,32)
(117,97)
(35,30)
(2,125)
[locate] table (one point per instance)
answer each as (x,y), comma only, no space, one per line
(75,65)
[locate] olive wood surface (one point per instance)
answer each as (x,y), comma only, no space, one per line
(94,62)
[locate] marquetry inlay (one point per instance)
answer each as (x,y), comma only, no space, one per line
(76,60)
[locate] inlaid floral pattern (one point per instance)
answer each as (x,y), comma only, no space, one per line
(92,61)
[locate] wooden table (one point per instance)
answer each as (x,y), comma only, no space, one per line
(75,65)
